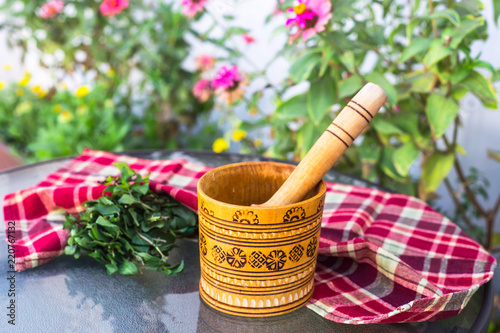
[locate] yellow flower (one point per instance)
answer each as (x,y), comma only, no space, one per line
(81,110)
(220,145)
(39,91)
(111,72)
(257,142)
(239,135)
(65,116)
(82,91)
(23,108)
(19,92)
(24,81)
(109,104)
(7,67)
(64,86)
(2,85)
(27,73)
(57,108)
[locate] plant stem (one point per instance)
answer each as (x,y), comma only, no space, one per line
(151,243)
(459,207)
(434,24)
(496,208)
(465,182)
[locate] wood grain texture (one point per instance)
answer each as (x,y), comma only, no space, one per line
(256,261)
(339,136)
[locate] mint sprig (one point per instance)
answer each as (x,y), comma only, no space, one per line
(130,227)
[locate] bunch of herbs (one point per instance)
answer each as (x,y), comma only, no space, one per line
(130,226)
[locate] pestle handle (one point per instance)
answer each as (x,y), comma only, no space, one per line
(346,127)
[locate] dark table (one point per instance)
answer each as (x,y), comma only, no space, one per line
(68,295)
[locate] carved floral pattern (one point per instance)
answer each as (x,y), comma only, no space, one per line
(205,210)
(296,253)
(218,254)
(236,258)
(203,245)
(257,259)
(294,214)
(275,260)
(321,205)
(245,216)
(311,247)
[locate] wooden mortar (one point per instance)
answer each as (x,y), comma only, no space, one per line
(259,260)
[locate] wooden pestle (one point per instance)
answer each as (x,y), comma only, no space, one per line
(346,127)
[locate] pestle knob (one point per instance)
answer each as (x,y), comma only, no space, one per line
(346,127)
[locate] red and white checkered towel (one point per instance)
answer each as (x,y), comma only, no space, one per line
(383,257)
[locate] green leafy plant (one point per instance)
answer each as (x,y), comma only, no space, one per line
(135,59)
(130,226)
(420,53)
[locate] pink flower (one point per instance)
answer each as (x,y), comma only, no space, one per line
(248,39)
(397,108)
(229,84)
(204,62)
(202,90)
(191,7)
(311,16)
(112,7)
(226,77)
(51,9)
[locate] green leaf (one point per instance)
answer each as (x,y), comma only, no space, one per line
(438,50)
(293,108)
(147,225)
(127,199)
(387,164)
(305,138)
(448,14)
(385,126)
(347,59)
(494,155)
(468,25)
(441,112)
(482,88)
(417,46)
(389,89)
(114,229)
(350,86)
(127,268)
(70,250)
(496,11)
(140,188)
(369,151)
(125,170)
(435,171)
(460,149)
(326,57)
(140,240)
(105,201)
(302,67)
(404,157)
(423,83)
(407,121)
(107,210)
(411,27)
(111,268)
(321,96)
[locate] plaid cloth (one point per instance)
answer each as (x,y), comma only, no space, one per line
(383,257)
